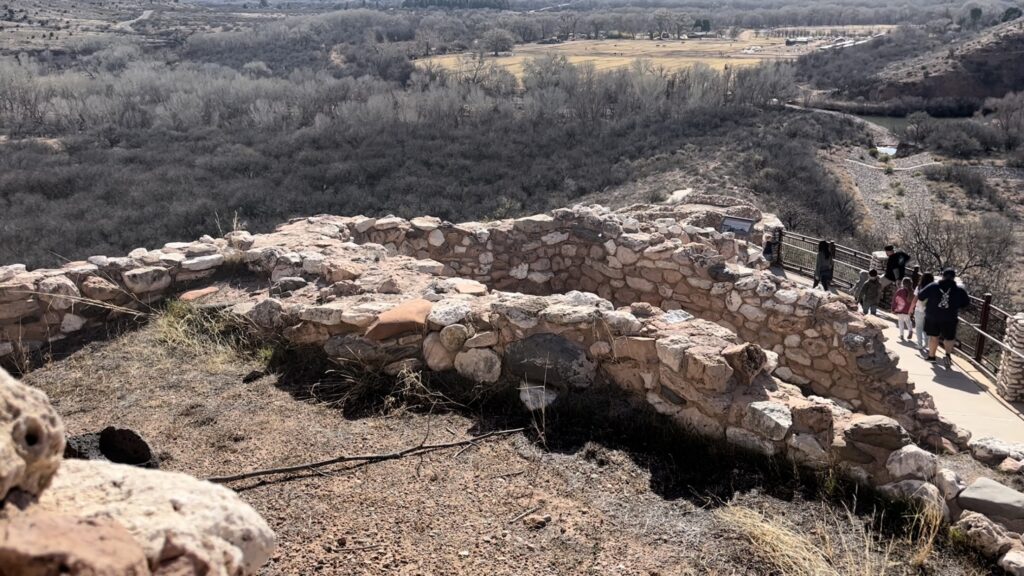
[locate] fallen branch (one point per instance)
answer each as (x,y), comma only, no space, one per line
(525,514)
(368,458)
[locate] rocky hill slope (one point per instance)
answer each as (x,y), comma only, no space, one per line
(976,67)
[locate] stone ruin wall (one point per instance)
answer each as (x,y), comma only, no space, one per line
(655,256)
(555,303)
(820,342)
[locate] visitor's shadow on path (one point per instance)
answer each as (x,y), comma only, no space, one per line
(953,378)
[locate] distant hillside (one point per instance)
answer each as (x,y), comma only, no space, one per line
(988,64)
(912,69)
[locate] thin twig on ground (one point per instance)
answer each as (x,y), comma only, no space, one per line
(525,514)
(369,458)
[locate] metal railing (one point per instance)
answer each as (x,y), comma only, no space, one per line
(982,332)
(800,252)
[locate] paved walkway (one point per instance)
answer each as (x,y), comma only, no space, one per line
(963,394)
(894,169)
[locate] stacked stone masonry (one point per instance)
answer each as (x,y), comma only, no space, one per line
(651,300)
(1010,382)
(672,259)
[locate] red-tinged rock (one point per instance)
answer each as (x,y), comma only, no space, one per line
(44,544)
(193,295)
(410,316)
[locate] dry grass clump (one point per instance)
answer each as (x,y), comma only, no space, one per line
(774,542)
(841,545)
(852,547)
(925,528)
(209,335)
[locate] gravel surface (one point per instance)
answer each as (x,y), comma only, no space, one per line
(600,492)
(886,197)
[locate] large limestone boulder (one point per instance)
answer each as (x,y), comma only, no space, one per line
(999,502)
(912,462)
(58,292)
(920,493)
(480,365)
(146,279)
(177,519)
(879,431)
(983,534)
(31,438)
(993,450)
(43,544)
(770,419)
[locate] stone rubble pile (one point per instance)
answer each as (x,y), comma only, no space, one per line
(682,317)
(96,518)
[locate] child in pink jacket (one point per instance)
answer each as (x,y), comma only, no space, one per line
(902,307)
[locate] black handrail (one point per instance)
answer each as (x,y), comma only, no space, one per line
(798,252)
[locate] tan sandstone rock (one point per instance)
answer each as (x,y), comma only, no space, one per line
(31,438)
(177,519)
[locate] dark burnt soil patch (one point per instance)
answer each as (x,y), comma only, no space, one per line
(613,494)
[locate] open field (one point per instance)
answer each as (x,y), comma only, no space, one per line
(670,54)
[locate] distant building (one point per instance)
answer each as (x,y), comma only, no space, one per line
(797,41)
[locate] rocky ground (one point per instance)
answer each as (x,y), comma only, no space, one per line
(564,497)
(887,196)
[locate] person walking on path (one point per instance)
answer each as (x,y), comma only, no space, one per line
(824,265)
(944,300)
(918,305)
(895,265)
(870,294)
(859,286)
(902,305)
(768,251)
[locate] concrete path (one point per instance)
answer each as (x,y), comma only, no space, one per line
(963,394)
(894,169)
(127,24)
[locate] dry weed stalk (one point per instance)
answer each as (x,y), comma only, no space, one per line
(851,547)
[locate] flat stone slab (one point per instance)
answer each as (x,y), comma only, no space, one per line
(992,499)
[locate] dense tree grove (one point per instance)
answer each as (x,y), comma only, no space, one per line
(774,13)
(150,149)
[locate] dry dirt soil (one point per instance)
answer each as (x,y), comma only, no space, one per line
(588,488)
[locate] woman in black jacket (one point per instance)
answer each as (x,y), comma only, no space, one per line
(824,265)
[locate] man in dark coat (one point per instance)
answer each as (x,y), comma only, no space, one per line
(895,265)
(943,301)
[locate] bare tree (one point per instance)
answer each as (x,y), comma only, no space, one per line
(976,247)
(497,40)
(1008,112)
